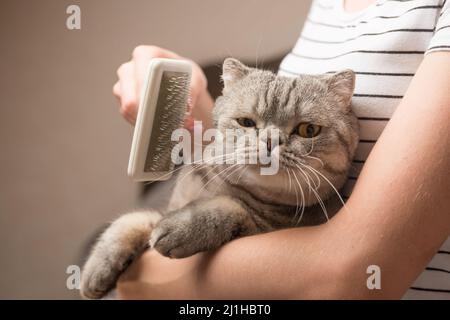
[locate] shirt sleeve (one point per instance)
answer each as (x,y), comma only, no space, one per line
(441,37)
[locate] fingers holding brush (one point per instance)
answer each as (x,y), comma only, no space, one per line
(127,92)
(132,76)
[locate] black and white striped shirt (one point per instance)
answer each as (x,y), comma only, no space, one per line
(384,44)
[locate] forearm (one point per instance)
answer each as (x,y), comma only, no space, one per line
(277,265)
(307,263)
(294,263)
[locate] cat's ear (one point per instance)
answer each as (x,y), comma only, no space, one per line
(341,85)
(233,70)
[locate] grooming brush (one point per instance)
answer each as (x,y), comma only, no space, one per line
(162,109)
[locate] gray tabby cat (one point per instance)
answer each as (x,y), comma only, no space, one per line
(212,205)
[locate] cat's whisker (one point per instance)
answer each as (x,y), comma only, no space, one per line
(295,159)
(316,185)
(316,194)
(302,194)
(203,164)
(231,154)
(215,176)
(228,175)
(296,200)
(329,182)
(320,201)
(308,155)
(290,179)
(311,150)
(322,205)
(307,178)
(317,159)
(174,170)
(198,163)
(242,169)
(240,175)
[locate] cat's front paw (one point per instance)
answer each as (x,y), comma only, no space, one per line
(119,245)
(176,236)
(100,275)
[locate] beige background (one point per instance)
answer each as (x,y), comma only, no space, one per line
(64,147)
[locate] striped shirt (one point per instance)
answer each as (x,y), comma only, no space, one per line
(384,44)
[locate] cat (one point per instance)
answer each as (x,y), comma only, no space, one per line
(212,204)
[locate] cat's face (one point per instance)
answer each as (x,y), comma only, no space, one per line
(318,133)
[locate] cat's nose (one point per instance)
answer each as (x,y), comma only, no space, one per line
(269,144)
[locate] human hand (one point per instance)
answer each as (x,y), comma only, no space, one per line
(132,74)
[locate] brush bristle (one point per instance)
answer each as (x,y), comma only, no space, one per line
(169,116)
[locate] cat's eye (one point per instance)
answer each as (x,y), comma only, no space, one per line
(308,130)
(246,122)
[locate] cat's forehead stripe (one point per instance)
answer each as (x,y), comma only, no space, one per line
(292,85)
(277,98)
(264,97)
(285,102)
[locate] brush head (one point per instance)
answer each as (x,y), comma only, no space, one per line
(162,110)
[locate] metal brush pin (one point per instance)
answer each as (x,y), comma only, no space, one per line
(162,110)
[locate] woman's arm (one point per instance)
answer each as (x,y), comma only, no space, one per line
(397,218)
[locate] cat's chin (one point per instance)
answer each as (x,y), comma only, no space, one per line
(276,188)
